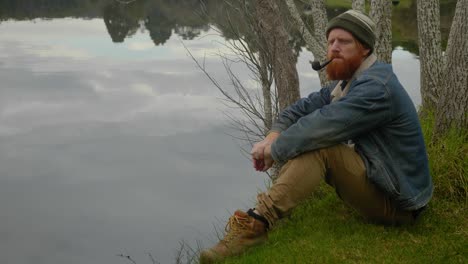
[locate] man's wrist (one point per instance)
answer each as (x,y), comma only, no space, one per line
(272,135)
(273,155)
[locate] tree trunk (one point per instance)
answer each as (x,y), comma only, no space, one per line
(359,5)
(381,13)
(316,43)
(266,92)
(277,39)
(430,51)
(319,14)
(452,106)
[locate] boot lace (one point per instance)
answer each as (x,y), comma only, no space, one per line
(235,227)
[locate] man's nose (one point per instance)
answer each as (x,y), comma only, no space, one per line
(334,46)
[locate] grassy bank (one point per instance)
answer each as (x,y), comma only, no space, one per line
(324,230)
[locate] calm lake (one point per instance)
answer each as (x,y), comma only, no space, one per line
(112,141)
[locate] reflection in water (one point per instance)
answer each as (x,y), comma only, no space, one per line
(189,18)
(118,23)
(159,17)
(159,26)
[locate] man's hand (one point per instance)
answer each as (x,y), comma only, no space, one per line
(261,152)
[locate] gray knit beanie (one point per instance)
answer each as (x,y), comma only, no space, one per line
(358,24)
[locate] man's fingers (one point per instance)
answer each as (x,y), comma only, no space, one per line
(257,151)
(268,160)
(261,151)
(259,164)
(268,164)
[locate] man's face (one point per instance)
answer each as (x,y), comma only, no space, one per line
(347,52)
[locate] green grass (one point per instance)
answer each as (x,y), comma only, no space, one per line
(324,230)
(448,161)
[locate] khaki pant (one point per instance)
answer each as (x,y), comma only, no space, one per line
(343,169)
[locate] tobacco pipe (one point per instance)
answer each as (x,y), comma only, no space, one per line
(317,66)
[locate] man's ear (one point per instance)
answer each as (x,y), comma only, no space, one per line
(366,52)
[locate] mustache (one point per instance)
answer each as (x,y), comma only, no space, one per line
(331,57)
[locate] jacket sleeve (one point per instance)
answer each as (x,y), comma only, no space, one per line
(366,106)
(301,108)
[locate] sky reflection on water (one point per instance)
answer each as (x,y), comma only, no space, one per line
(118,148)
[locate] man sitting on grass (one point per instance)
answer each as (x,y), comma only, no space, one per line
(361,134)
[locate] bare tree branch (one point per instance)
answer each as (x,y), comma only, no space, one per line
(153,260)
(127,257)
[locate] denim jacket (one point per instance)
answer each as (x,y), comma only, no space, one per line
(379,117)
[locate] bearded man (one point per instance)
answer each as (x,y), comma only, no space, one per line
(361,135)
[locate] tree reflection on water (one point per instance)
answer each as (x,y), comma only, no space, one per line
(187,18)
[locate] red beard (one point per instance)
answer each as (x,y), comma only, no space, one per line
(343,69)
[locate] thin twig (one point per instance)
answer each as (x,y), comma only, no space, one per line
(127,257)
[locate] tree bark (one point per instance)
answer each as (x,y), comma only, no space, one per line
(381,13)
(317,48)
(359,5)
(319,14)
(274,32)
(266,92)
(316,42)
(430,51)
(452,106)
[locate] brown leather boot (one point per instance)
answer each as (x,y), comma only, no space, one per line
(242,232)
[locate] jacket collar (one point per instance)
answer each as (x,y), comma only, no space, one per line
(338,91)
